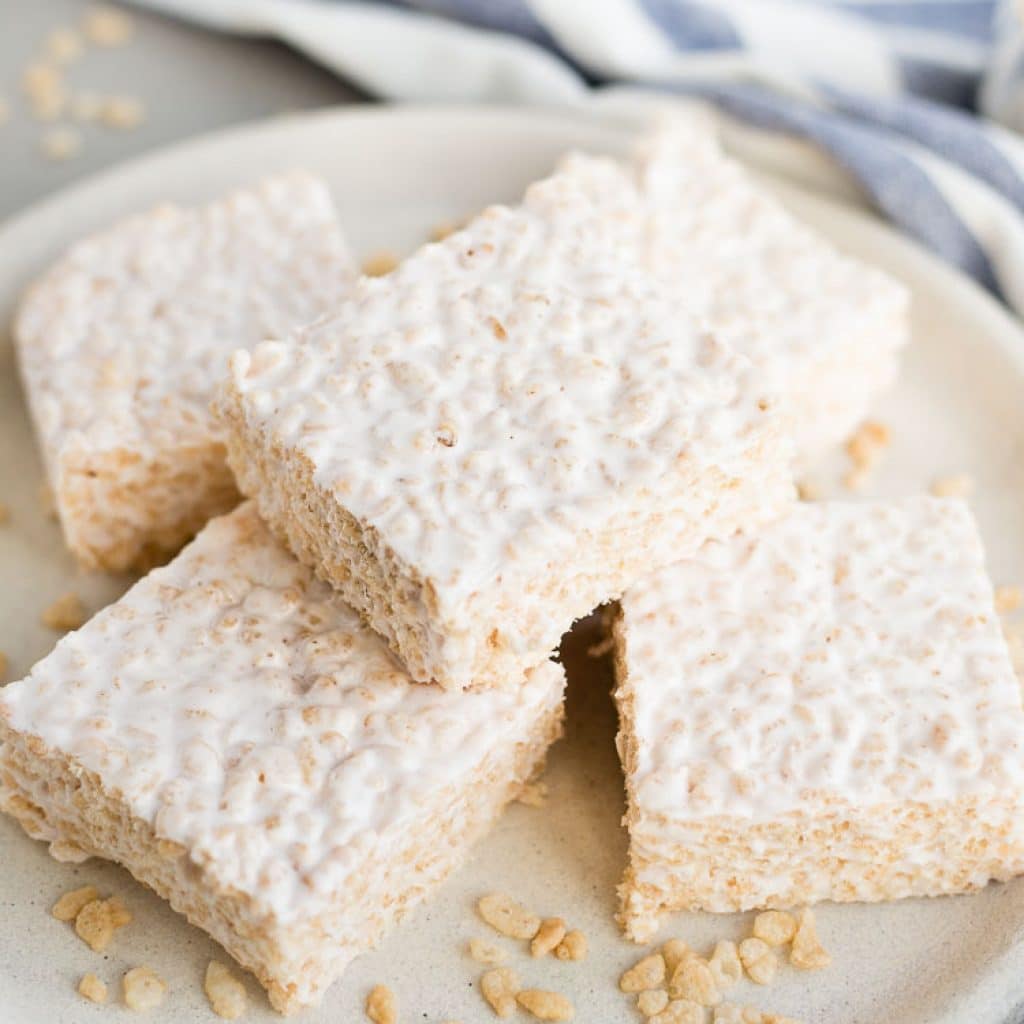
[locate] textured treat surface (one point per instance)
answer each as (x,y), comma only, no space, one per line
(238,707)
(847,653)
(484,412)
(825,330)
(122,341)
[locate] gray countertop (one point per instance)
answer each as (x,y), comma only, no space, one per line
(191,81)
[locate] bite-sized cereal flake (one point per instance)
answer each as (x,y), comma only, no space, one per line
(759,959)
(92,988)
(98,920)
(694,980)
(484,951)
(675,951)
(506,916)
(68,906)
(807,952)
(775,927)
(725,965)
(225,992)
(652,1001)
(548,937)
(105,25)
(499,988)
(573,946)
(144,989)
(545,1005)
(680,1011)
(646,973)
(381,1007)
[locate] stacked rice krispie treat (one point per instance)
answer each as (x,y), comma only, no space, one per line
(295,730)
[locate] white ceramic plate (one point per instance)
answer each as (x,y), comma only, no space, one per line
(958,408)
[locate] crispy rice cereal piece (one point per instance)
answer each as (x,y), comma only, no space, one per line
(248,749)
(121,342)
(500,435)
(499,988)
(92,988)
(225,992)
(825,330)
(646,973)
(652,1001)
(99,920)
(69,905)
(545,1005)
(958,486)
(807,952)
(507,916)
(775,927)
(693,979)
(1009,598)
(143,989)
(823,710)
(483,951)
(105,25)
(726,966)
(759,960)
(573,946)
(381,1007)
(65,613)
(680,1011)
(549,936)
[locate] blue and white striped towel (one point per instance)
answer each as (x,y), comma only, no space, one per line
(890,88)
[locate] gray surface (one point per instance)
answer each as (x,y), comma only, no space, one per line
(191,80)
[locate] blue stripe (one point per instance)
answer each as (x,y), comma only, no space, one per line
(952,134)
(972,18)
(952,86)
(512,16)
(692,26)
(898,186)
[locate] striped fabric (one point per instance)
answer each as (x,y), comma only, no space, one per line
(890,88)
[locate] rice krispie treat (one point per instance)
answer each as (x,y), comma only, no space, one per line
(823,710)
(825,330)
(501,434)
(121,343)
(231,733)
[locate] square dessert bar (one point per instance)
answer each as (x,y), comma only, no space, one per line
(824,710)
(232,734)
(825,330)
(500,435)
(122,341)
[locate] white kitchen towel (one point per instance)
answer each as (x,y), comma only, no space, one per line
(890,88)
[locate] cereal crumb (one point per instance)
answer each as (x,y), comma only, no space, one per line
(380,263)
(865,449)
(533,794)
(759,959)
(693,980)
(725,965)
(679,1011)
(65,613)
(63,45)
(732,1013)
(68,906)
(380,1005)
(573,946)
(809,490)
(499,988)
(958,486)
(775,927)
(807,952)
(107,26)
(123,112)
(485,952)
(548,937)
(61,143)
(225,992)
(506,916)
(675,951)
(646,973)
(1008,598)
(545,1005)
(652,1001)
(92,989)
(98,920)
(144,989)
